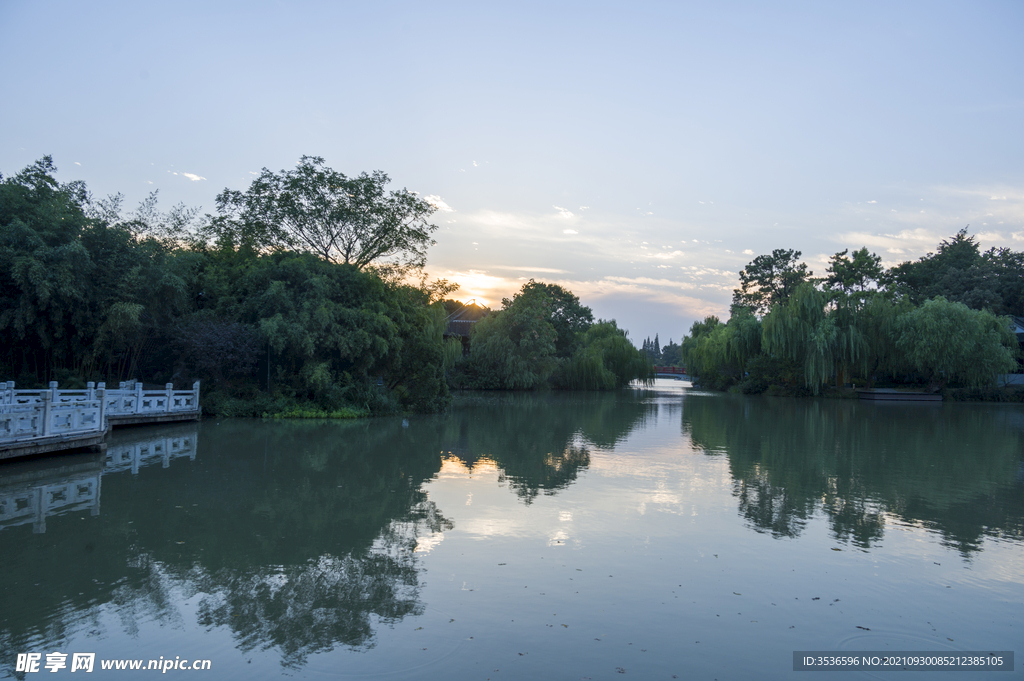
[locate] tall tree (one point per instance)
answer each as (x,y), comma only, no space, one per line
(567,316)
(956,271)
(856,273)
(770,280)
(349,220)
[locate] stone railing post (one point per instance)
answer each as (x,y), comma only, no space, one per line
(195,394)
(90,391)
(138,398)
(101,395)
(170,395)
(54,392)
(45,395)
(8,396)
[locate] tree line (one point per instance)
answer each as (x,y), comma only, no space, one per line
(303,294)
(940,321)
(671,354)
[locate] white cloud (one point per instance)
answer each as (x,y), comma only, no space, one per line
(569,231)
(563,212)
(438,203)
(253,172)
(912,241)
(872,201)
(747,251)
(193,177)
(77,163)
(545,270)
(149,181)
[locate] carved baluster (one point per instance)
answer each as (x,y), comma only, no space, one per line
(45,395)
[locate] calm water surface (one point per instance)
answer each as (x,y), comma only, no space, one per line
(661,533)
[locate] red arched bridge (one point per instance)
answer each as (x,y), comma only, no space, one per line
(671,372)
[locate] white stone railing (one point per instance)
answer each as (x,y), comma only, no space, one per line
(131,399)
(45,418)
(43,413)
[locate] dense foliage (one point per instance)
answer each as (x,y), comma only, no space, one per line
(293,300)
(543,336)
(86,294)
(931,323)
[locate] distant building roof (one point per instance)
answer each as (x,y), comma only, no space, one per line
(461,322)
(1018,328)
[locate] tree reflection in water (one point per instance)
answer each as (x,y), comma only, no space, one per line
(541,441)
(952,467)
(296,536)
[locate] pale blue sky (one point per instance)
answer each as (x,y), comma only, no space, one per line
(638,154)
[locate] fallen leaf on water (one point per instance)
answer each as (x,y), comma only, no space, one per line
(864,628)
(837,549)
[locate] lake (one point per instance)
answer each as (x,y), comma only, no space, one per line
(655,533)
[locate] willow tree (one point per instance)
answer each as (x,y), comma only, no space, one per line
(605,360)
(811,328)
(951,343)
(718,353)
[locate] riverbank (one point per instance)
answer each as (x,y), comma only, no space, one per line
(989,394)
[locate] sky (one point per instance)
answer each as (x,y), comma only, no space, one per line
(638,154)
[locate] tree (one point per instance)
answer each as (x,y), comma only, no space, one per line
(848,275)
(950,343)
(514,349)
(348,220)
(810,329)
(606,360)
(671,354)
(956,271)
(770,280)
(567,316)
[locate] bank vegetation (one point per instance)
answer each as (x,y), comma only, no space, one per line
(302,296)
(942,322)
